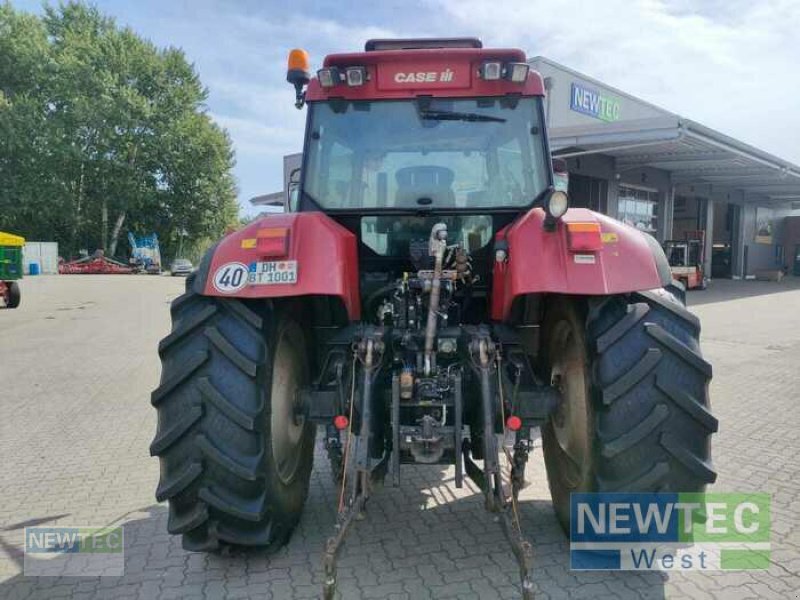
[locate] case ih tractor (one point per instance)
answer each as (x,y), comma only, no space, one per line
(426,296)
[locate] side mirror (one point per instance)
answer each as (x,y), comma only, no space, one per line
(293,190)
(560,175)
(298,73)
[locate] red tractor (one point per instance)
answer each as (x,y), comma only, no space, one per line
(426,295)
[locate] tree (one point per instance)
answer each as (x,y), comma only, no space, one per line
(102,133)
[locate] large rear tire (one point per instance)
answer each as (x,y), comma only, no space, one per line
(14,294)
(235,452)
(634,415)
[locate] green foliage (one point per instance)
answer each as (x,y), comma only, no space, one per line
(101,132)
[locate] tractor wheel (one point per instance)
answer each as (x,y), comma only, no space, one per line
(14,294)
(634,414)
(235,450)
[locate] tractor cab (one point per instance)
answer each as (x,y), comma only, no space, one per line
(420,127)
(409,134)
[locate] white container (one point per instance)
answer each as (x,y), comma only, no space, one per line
(45,254)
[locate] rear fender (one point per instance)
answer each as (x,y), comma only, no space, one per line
(325,253)
(540,261)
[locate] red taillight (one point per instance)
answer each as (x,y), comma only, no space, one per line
(584,237)
(273,241)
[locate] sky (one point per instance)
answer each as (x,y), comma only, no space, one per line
(729,64)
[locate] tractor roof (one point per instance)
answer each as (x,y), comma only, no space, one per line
(451,67)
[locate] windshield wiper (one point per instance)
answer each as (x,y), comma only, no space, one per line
(443,115)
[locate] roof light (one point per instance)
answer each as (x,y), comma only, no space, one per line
(517,72)
(491,71)
(356,76)
(329,77)
(297,73)
(297,66)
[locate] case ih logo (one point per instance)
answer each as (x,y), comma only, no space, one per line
(428,75)
(424,77)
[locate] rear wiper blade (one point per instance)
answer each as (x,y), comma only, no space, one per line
(443,115)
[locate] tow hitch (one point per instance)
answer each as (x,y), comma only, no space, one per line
(360,471)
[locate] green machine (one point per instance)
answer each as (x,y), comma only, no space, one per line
(10,268)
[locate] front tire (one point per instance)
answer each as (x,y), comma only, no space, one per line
(634,415)
(235,454)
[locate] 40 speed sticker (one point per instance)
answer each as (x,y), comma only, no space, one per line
(230,277)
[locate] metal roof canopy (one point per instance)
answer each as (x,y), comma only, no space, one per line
(272,199)
(692,153)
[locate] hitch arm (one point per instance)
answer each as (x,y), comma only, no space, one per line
(490,481)
(333,545)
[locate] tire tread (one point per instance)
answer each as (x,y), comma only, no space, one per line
(213,433)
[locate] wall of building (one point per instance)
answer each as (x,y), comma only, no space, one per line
(791,240)
(576,103)
(762,255)
(687,215)
(601,166)
(574,99)
(596,166)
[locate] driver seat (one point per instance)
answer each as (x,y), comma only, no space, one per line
(431,182)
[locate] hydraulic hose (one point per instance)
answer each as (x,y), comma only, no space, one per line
(438,245)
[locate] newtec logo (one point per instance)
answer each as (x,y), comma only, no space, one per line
(74,551)
(668,532)
(594,104)
(64,540)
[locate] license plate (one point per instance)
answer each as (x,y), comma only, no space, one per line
(279,272)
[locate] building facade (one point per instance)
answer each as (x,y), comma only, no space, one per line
(671,176)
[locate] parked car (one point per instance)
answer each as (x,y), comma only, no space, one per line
(180,266)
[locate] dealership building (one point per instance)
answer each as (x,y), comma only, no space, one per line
(667,175)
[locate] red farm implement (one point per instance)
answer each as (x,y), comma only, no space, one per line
(97,264)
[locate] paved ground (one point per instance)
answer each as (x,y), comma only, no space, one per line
(77,363)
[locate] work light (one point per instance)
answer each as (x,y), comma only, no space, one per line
(329,77)
(491,71)
(557,204)
(356,76)
(517,72)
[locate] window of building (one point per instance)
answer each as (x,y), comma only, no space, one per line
(638,208)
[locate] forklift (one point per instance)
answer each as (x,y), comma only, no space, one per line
(687,258)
